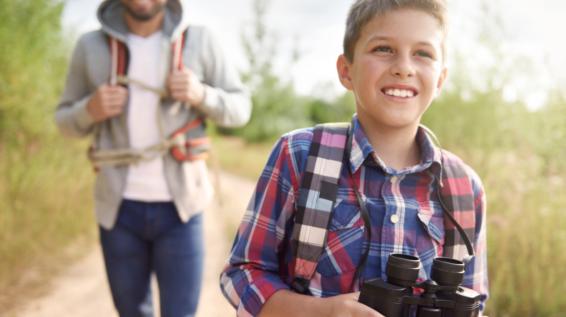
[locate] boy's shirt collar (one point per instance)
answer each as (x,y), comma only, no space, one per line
(362,150)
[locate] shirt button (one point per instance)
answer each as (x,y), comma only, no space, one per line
(393,179)
(394,218)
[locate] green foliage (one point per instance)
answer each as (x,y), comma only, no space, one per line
(276,107)
(44,189)
(518,155)
(31,57)
(550,125)
(340,109)
(457,119)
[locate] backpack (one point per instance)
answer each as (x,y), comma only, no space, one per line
(318,191)
(187,143)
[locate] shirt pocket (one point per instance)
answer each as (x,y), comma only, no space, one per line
(345,238)
(432,221)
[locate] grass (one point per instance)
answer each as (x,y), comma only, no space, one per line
(238,157)
(526,233)
(47,215)
(46,218)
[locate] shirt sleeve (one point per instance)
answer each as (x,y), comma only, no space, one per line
(476,276)
(252,274)
(71,116)
(227,102)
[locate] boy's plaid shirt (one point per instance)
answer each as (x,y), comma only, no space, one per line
(405,216)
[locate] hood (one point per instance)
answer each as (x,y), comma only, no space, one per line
(111,17)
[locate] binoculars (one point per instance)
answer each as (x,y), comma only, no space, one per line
(442,295)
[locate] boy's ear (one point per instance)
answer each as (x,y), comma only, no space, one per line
(343,67)
(441,80)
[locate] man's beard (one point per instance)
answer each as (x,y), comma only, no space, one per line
(142,17)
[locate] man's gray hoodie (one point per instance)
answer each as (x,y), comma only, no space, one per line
(226,103)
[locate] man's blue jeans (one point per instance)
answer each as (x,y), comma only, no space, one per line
(150,237)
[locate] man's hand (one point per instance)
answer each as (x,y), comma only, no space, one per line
(184,86)
(108,101)
(347,305)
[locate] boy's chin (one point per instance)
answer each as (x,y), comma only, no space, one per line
(389,122)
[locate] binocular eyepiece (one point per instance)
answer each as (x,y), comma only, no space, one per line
(442,297)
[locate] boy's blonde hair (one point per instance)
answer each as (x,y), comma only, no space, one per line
(362,11)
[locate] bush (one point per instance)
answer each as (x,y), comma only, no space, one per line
(44,189)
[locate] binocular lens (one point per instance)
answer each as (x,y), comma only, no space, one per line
(402,269)
(447,271)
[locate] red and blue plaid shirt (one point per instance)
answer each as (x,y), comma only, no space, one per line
(405,215)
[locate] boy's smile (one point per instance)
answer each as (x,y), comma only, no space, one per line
(400,91)
(397,69)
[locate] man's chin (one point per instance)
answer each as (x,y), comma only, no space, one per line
(144,16)
(141,17)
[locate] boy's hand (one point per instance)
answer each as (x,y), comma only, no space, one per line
(286,303)
(108,101)
(184,86)
(347,305)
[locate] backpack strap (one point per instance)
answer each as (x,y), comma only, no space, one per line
(318,192)
(317,195)
(119,60)
(189,147)
(188,143)
(177,51)
(456,196)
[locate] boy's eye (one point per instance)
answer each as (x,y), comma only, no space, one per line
(383,49)
(426,54)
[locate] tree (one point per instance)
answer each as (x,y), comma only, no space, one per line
(33,65)
(276,106)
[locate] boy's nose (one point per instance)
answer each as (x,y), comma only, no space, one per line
(402,68)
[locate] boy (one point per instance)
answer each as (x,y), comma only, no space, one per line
(393,62)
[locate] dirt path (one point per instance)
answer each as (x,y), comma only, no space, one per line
(82,290)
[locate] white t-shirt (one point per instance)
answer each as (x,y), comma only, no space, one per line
(146,180)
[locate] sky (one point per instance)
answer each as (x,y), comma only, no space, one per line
(532,47)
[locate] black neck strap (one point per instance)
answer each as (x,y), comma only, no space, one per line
(367,224)
(465,238)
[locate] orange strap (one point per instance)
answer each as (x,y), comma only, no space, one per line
(189,126)
(198,141)
(119,61)
(177,49)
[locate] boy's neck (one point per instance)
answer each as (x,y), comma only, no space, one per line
(397,148)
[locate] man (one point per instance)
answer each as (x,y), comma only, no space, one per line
(142,86)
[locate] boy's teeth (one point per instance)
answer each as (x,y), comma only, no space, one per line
(400,93)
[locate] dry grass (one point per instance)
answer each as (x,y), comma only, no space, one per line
(240,158)
(46,218)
